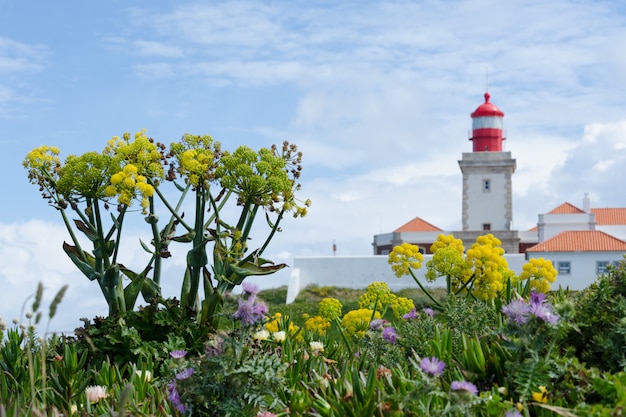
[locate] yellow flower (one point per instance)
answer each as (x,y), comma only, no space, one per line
(402,306)
(330,308)
(490,268)
(377,296)
(540,272)
(542,395)
(405,257)
(317,324)
(444,241)
(448,260)
(357,322)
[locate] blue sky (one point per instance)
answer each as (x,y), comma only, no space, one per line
(377,94)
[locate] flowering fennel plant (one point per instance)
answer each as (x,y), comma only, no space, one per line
(99,189)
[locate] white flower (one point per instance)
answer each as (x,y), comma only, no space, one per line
(316,346)
(95,393)
(261,335)
(279,336)
(146,375)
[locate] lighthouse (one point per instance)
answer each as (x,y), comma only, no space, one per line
(487,186)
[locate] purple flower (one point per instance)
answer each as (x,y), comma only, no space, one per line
(214,346)
(390,335)
(429,311)
(537,298)
(432,366)
(184,374)
(513,413)
(376,324)
(464,386)
(250,288)
(545,313)
(250,312)
(174,397)
(410,315)
(542,310)
(178,354)
(517,311)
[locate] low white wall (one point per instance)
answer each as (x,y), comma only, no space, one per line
(360,271)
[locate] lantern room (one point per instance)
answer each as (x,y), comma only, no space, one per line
(487,127)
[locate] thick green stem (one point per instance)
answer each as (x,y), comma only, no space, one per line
(272,232)
(103,264)
(197,256)
(437,304)
(174,211)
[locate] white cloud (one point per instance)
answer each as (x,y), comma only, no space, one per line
(17,57)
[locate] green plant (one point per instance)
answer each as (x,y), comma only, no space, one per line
(599,333)
(127,170)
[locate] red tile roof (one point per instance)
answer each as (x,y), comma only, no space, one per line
(566,208)
(418,225)
(581,241)
(610,216)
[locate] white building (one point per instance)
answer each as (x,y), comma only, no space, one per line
(580,242)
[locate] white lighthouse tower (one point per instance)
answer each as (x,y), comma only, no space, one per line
(487,186)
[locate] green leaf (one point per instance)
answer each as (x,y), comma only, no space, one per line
(197,257)
(146,247)
(139,283)
(88,231)
(186,238)
(250,268)
(87,268)
(111,276)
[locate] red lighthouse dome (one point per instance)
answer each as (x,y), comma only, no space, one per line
(487,127)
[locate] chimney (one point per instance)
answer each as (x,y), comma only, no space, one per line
(587,203)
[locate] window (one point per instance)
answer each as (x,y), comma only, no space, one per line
(486,186)
(616,263)
(564,268)
(602,267)
(486,226)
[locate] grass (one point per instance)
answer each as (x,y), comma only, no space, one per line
(307,301)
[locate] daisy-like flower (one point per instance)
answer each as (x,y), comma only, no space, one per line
(316,346)
(96,393)
(279,336)
(145,374)
(178,354)
(464,386)
(518,311)
(184,374)
(261,335)
(410,315)
(432,366)
(390,335)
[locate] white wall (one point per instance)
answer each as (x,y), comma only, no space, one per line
(487,207)
(360,271)
(550,225)
(583,266)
